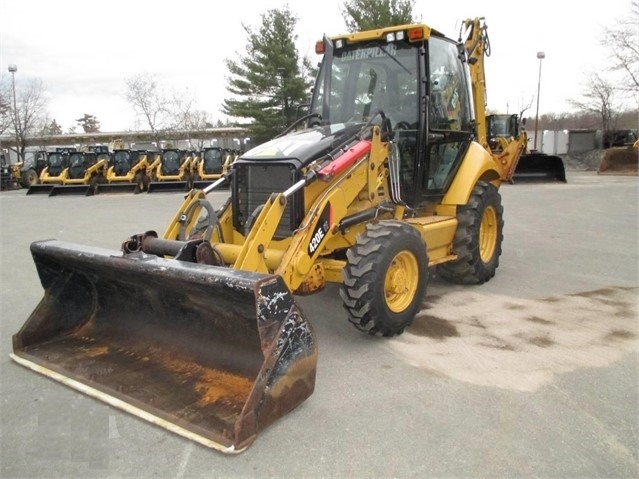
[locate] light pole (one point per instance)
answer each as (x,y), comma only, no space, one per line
(540,56)
(13,68)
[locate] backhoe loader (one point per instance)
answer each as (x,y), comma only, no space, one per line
(533,166)
(388,176)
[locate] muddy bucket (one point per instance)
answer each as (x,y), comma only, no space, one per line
(207,352)
(619,161)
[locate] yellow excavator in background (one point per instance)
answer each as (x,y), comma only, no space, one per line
(389,175)
(533,166)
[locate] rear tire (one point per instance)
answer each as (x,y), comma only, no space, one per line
(478,238)
(385,278)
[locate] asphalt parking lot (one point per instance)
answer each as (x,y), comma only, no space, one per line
(533,374)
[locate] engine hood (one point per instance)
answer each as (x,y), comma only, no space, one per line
(304,146)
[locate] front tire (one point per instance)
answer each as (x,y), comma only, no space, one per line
(141,181)
(385,278)
(478,238)
(28,178)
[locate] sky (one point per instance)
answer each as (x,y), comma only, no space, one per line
(83,51)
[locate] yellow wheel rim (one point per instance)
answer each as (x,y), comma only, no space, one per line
(401,281)
(488,234)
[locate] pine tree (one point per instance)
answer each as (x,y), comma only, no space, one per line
(53,128)
(270,80)
(371,14)
(89,123)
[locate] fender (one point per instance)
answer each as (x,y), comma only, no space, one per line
(478,165)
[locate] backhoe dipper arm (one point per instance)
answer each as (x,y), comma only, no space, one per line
(477,46)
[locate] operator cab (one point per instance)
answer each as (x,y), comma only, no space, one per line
(420,81)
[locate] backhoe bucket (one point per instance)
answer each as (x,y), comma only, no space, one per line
(83,190)
(166,186)
(539,167)
(211,353)
(40,189)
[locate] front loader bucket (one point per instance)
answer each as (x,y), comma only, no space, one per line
(122,187)
(40,189)
(619,161)
(539,167)
(165,186)
(83,190)
(210,353)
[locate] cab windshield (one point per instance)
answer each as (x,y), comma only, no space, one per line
(366,78)
(55,159)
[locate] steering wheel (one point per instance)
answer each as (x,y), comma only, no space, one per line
(211,220)
(403,125)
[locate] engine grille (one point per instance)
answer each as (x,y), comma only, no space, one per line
(254,184)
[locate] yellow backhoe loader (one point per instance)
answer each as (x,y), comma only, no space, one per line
(533,166)
(389,175)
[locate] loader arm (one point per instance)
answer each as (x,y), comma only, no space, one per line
(352,176)
(335,186)
(251,257)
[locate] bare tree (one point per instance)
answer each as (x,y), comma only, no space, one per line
(29,114)
(599,98)
(523,106)
(5,105)
(195,120)
(149,103)
(623,41)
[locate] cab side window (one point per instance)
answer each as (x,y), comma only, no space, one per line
(449,102)
(449,112)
